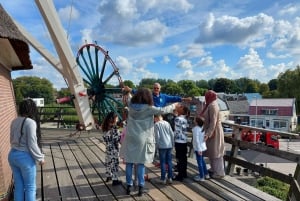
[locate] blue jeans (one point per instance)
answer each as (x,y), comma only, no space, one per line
(24,173)
(201,165)
(165,157)
(140,174)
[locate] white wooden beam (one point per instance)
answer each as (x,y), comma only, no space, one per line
(68,62)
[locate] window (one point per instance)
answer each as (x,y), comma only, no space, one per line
(257,123)
(278,124)
(269,111)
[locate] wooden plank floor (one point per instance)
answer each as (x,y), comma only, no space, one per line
(74,170)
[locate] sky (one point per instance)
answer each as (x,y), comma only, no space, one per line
(172,39)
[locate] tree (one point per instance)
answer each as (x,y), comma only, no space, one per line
(224,85)
(129,83)
(63,92)
(172,88)
(252,87)
(264,89)
(33,87)
(202,84)
(147,83)
(189,88)
(273,84)
(242,84)
(288,85)
(211,83)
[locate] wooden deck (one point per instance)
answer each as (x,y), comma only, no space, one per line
(74,170)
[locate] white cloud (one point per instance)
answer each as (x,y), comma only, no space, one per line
(192,51)
(166,60)
(184,64)
(205,62)
(250,61)
(275,70)
(289,9)
(86,36)
(251,66)
(233,30)
(68,14)
(124,65)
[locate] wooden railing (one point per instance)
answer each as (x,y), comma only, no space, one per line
(237,144)
(62,116)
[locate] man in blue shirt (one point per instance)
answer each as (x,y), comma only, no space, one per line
(161,99)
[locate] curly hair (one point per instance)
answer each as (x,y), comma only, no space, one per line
(28,108)
(142,96)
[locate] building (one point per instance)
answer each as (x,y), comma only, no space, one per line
(274,113)
(39,102)
(14,55)
(239,111)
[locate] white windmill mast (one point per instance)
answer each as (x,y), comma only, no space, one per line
(66,63)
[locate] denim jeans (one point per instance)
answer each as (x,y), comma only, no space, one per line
(140,174)
(165,157)
(24,173)
(201,165)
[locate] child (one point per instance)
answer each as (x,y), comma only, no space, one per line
(199,146)
(164,138)
(180,131)
(111,138)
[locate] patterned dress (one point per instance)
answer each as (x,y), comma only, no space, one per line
(112,140)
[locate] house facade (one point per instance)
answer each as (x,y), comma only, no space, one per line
(14,55)
(276,114)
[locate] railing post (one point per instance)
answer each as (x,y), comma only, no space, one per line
(234,150)
(292,195)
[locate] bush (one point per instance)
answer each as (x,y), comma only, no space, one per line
(273,187)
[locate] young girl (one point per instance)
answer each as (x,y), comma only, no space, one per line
(180,132)
(199,146)
(111,138)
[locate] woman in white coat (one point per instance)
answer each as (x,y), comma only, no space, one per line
(138,146)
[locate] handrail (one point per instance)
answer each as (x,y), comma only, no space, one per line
(232,158)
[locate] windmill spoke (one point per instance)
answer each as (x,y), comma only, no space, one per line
(104,99)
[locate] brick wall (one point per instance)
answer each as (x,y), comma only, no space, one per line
(7,114)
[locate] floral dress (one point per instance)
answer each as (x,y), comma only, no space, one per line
(112,140)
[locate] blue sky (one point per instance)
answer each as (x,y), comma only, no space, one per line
(173,39)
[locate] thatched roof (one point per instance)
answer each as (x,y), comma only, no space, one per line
(14,49)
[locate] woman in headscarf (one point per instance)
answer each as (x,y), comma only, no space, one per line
(214,135)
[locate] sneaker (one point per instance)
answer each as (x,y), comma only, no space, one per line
(159,181)
(170,181)
(198,178)
(207,176)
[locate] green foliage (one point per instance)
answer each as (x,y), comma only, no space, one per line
(63,93)
(33,87)
(224,85)
(202,84)
(172,89)
(273,84)
(129,83)
(288,83)
(273,187)
(264,89)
